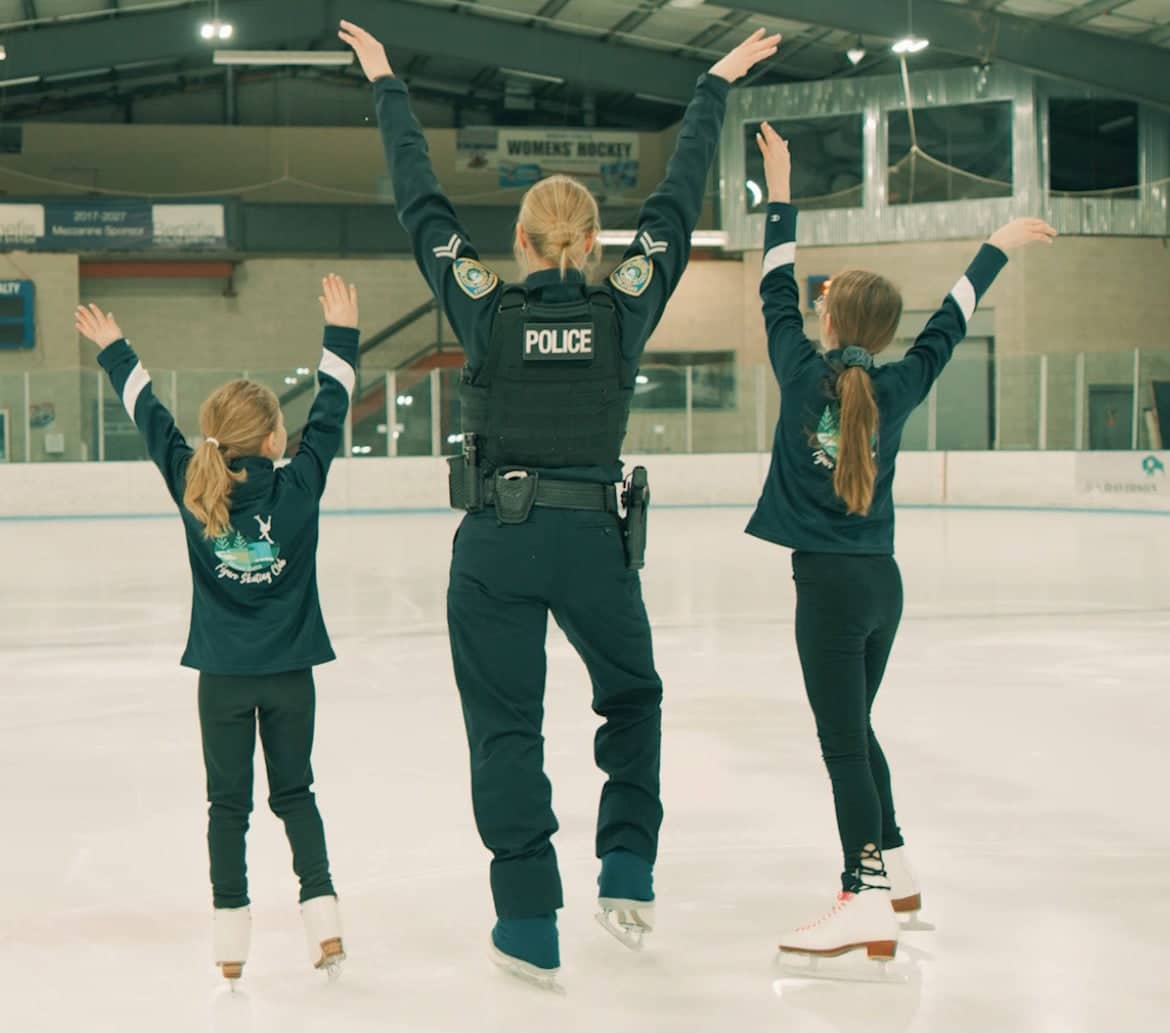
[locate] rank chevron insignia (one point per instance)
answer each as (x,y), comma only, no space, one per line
(450,249)
(652,246)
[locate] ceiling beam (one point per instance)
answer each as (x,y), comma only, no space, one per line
(58,49)
(1087,12)
(1123,66)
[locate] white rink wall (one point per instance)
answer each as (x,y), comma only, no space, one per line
(1078,480)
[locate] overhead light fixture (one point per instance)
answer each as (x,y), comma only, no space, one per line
(25,81)
(699,238)
(217,30)
(910,45)
(856,53)
(3,52)
(520,73)
(284,57)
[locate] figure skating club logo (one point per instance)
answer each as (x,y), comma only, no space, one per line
(249,562)
(1153,465)
(826,442)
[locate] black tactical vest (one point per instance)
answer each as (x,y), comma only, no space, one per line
(553,389)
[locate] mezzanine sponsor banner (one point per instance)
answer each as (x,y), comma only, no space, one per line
(112,226)
(606,161)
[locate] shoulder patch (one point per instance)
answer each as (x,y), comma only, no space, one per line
(474,279)
(633,276)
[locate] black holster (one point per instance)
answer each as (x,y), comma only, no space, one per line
(635,501)
(464,481)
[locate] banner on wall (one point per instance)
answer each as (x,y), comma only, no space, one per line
(607,161)
(112,226)
(1124,474)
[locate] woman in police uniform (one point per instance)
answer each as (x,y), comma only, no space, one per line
(550,373)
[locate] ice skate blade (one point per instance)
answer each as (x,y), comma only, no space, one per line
(627,921)
(542,978)
(845,966)
(911,923)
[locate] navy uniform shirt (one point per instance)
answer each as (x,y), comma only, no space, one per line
(469,292)
(254,607)
(798,507)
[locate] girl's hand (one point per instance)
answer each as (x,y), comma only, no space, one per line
(756,48)
(370,53)
(1019,232)
(339,303)
(777,163)
(100,327)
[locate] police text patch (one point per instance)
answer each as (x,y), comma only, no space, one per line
(475,280)
(633,276)
(547,341)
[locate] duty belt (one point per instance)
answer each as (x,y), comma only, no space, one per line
(563,495)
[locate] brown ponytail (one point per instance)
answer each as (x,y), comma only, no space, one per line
(234,421)
(561,220)
(856,471)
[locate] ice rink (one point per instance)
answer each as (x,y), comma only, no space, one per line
(1025,716)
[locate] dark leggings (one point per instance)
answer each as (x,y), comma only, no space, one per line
(847,614)
(284,706)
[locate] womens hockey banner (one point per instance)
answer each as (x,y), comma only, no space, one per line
(112,226)
(606,161)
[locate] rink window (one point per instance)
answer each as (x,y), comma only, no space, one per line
(662,380)
(959,152)
(1093,147)
(828,164)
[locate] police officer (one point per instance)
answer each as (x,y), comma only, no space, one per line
(550,373)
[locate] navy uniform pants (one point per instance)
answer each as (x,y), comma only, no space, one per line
(230,709)
(847,613)
(505,581)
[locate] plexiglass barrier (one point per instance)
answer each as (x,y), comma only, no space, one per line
(1075,401)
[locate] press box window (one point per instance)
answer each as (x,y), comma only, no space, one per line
(963,153)
(662,380)
(828,162)
(1093,147)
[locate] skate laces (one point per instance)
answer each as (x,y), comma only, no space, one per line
(871,866)
(843,898)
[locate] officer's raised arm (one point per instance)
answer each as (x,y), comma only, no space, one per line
(444,254)
(654,263)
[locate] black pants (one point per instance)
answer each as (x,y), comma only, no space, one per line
(230,706)
(504,583)
(847,614)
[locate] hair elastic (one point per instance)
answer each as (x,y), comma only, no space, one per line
(855,356)
(212,441)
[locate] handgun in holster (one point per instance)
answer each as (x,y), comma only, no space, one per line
(464,481)
(635,502)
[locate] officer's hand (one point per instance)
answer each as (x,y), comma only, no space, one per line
(100,327)
(338,302)
(370,53)
(756,48)
(777,163)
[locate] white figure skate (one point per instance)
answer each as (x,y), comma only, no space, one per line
(232,937)
(626,920)
(905,894)
(859,921)
(323,935)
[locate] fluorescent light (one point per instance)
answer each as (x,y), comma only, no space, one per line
(284,57)
(757,194)
(25,81)
(855,54)
(700,238)
(3,52)
(910,45)
(520,73)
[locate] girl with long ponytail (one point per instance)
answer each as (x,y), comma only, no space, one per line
(256,626)
(828,497)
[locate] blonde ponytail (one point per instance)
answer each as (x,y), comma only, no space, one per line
(234,421)
(856,471)
(561,220)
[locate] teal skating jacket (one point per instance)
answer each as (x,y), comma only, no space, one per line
(798,507)
(254,605)
(640,285)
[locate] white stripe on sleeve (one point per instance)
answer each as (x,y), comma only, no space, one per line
(335,366)
(964,295)
(135,383)
(781,254)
